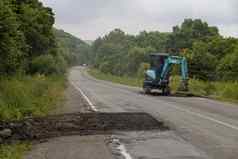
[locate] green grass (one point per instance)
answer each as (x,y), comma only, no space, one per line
(130,81)
(26,96)
(225,91)
(15,151)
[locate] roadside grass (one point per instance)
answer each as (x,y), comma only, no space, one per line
(224,91)
(15,151)
(130,81)
(26,96)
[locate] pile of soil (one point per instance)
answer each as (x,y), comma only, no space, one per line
(80,124)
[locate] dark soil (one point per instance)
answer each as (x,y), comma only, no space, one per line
(80,124)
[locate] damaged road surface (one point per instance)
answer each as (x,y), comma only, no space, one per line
(80,124)
(199,128)
(126,124)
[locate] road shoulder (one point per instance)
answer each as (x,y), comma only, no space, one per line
(72,147)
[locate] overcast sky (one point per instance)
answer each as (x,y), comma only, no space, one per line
(89,19)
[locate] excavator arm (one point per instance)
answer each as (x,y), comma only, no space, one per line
(184,70)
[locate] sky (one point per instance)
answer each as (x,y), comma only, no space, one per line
(89,19)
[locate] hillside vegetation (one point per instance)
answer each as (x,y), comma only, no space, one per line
(74,49)
(212,58)
(34,58)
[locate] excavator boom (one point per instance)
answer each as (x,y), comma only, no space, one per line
(157,77)
(171,60)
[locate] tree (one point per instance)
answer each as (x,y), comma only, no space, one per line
(228,66)
(202,64)
(74,50)
(36,22)
(189,32)
(138,55)
(154,39)
(12,44)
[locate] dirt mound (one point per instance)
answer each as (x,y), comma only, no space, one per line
(80,124)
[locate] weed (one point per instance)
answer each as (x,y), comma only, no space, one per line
(29,96)
(227,91)
(14,151)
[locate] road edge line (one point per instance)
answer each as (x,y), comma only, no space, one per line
(225,124)
(85,97)
(121,148)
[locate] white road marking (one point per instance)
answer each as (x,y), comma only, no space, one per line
(178,108)
(85,97)
(122,149)
(207,118)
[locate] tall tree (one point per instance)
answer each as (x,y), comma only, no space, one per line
(12,44)
(190,31)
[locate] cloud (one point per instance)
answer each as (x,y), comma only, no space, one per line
(92,18)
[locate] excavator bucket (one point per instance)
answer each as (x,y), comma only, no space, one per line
(183,87)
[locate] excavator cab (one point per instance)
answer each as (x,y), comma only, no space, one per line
(157,77)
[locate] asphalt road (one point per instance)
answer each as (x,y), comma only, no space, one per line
(200,128)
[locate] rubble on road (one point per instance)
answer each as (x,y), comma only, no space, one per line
(77,124)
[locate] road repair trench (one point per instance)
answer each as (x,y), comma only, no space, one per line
(77,124)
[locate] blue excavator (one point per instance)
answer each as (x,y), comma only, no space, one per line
(158,75)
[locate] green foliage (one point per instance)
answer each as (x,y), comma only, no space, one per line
(138,56)
(121,54)
(227,91)
(36,23)
(228,67)
(212,59)
(126,80)
(14,151)
(74,50)
(155,40)
(210,56)
(44,64)
(202,63)
(201,88)
(11,40)
(29,96)
(48,64)
(189,32)
(26,33)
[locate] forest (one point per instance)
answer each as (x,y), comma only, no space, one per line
(211,56)
(34,58)
(28,42)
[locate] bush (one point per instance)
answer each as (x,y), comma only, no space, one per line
(60,64)
(44,64)
(15,151)
(228,67)
(48,64)
(202,88)
(227,90)
(29,96)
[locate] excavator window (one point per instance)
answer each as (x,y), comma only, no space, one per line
(157,64)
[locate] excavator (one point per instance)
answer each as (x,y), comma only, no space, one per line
(158,75)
